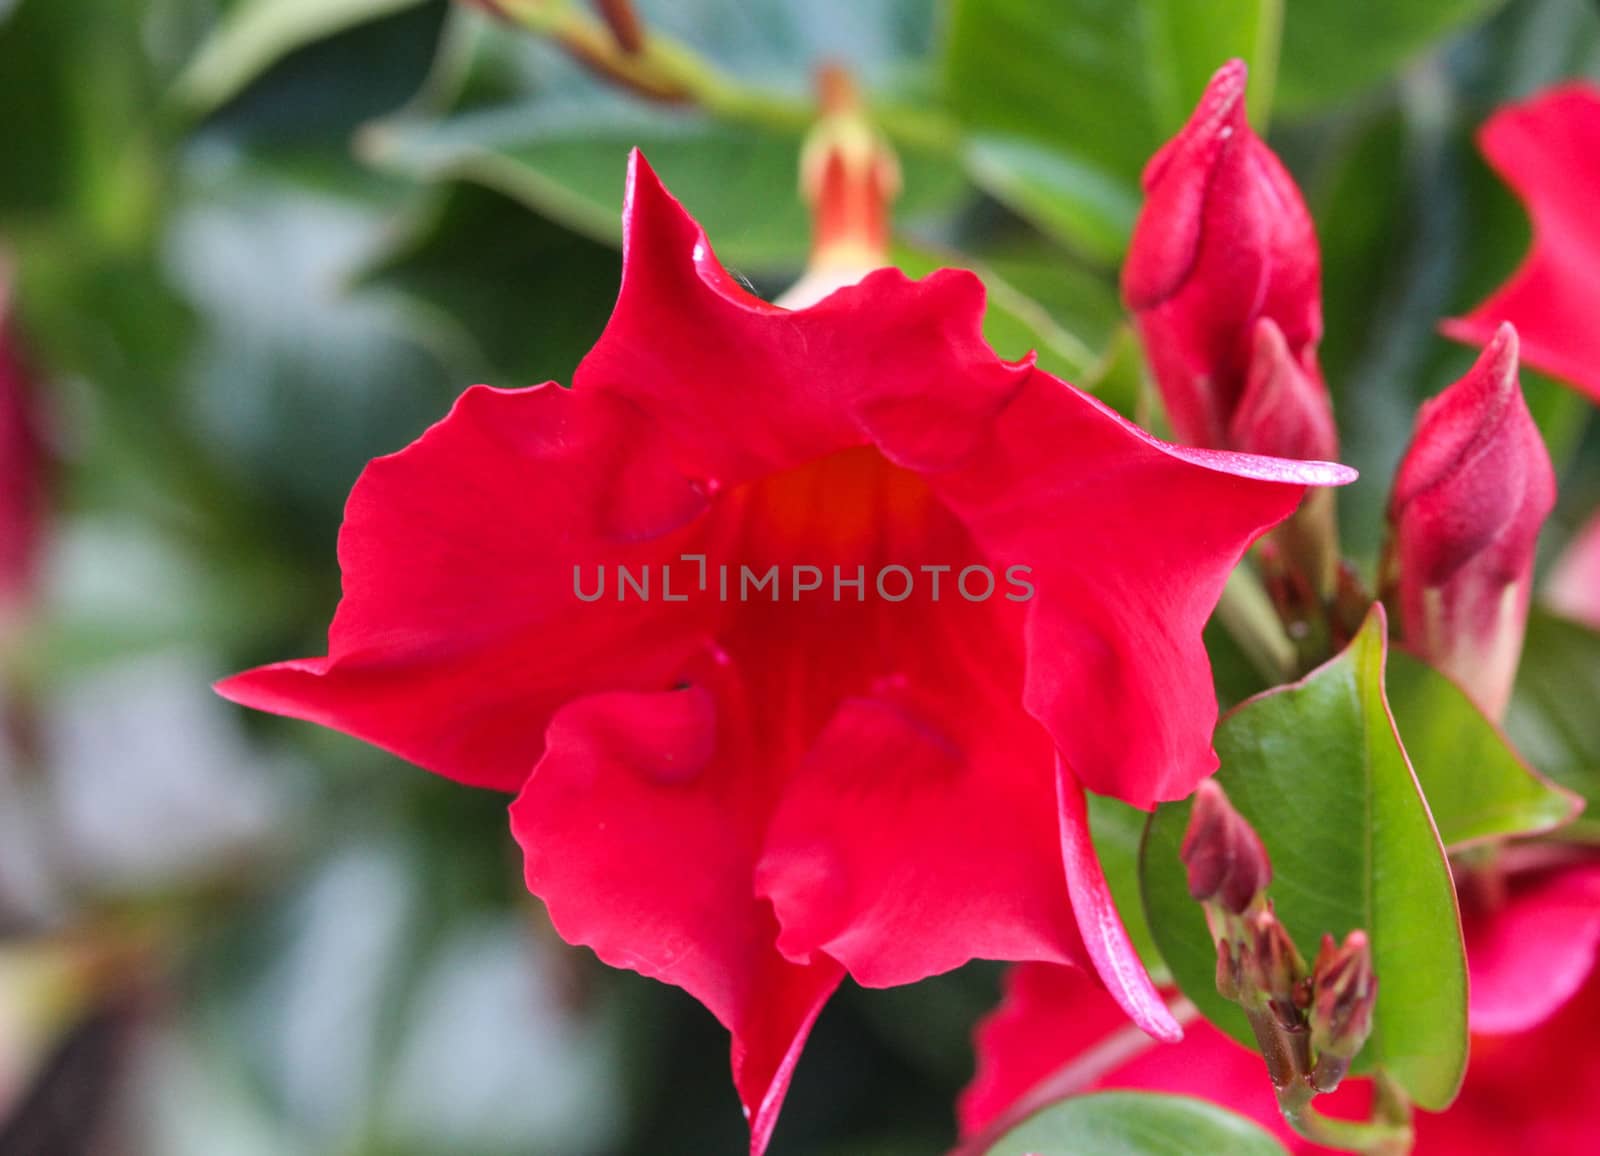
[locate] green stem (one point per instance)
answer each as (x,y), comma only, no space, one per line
(1381,1137)
(1247,614)
(667,70)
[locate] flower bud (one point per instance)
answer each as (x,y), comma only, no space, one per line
(850,177)
(1344,991)
(1224,241)
(1284,411)
(22,476)
(1468,501)
(1274,972)
(1227,863)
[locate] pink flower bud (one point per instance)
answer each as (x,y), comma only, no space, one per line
(1226,861)
(1224,241)
(1468,501)
(1284,411)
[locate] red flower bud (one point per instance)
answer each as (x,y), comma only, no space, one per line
(22,475)
(1284,411)
(1344,992)
(1223,242)
(1226,861)
(850,177)
(1468,501)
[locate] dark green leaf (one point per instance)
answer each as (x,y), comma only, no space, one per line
(1332,50)
(1135,1124)
(1476,785)
(513,296)
(1553,718)
(1068,101)
(1318,769)
(567,161)
(258,33)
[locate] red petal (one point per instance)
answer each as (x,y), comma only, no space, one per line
(1130,541)
(743,389)
(1532,955)
(1548,150)
(1056,1033)
(1104,936)
(640,828)
(456,639)
(904,848)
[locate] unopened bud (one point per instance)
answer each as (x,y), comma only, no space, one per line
(1344,991)
(1226,862)
(1273,969)
(1469,499)
(1284,411)
(850,177)
(1224,241)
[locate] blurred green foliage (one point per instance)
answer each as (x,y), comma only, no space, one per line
(260,242)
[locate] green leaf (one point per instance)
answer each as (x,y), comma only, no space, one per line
(1066,102)
(1476,785)
(567,160)
(511,296)
(1334,50)
(1318,769)
(1135,1124)
(1553,719)
(256,34)
(1118,830)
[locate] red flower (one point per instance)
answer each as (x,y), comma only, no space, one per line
(1574,586)
(1548,151)
(1224,244)
(1470,496)
(1531,1086)
(22,474)
(748,796)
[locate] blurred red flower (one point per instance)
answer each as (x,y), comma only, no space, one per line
(748,797)
(22,472)
(1548,150)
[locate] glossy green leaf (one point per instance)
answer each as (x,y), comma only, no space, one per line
(1318,769)
(567,161)
(1332,50)
(1135,1124)
(1476,785)
(1066,102)
(256,34)
(506,294)
(1553,717)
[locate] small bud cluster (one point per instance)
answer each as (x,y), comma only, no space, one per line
(1310,1022)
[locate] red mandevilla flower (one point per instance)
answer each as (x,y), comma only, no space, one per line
(1534,992)
(1469,499)
(1548,151)
(748,797)
(1223,246)
(22,474)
